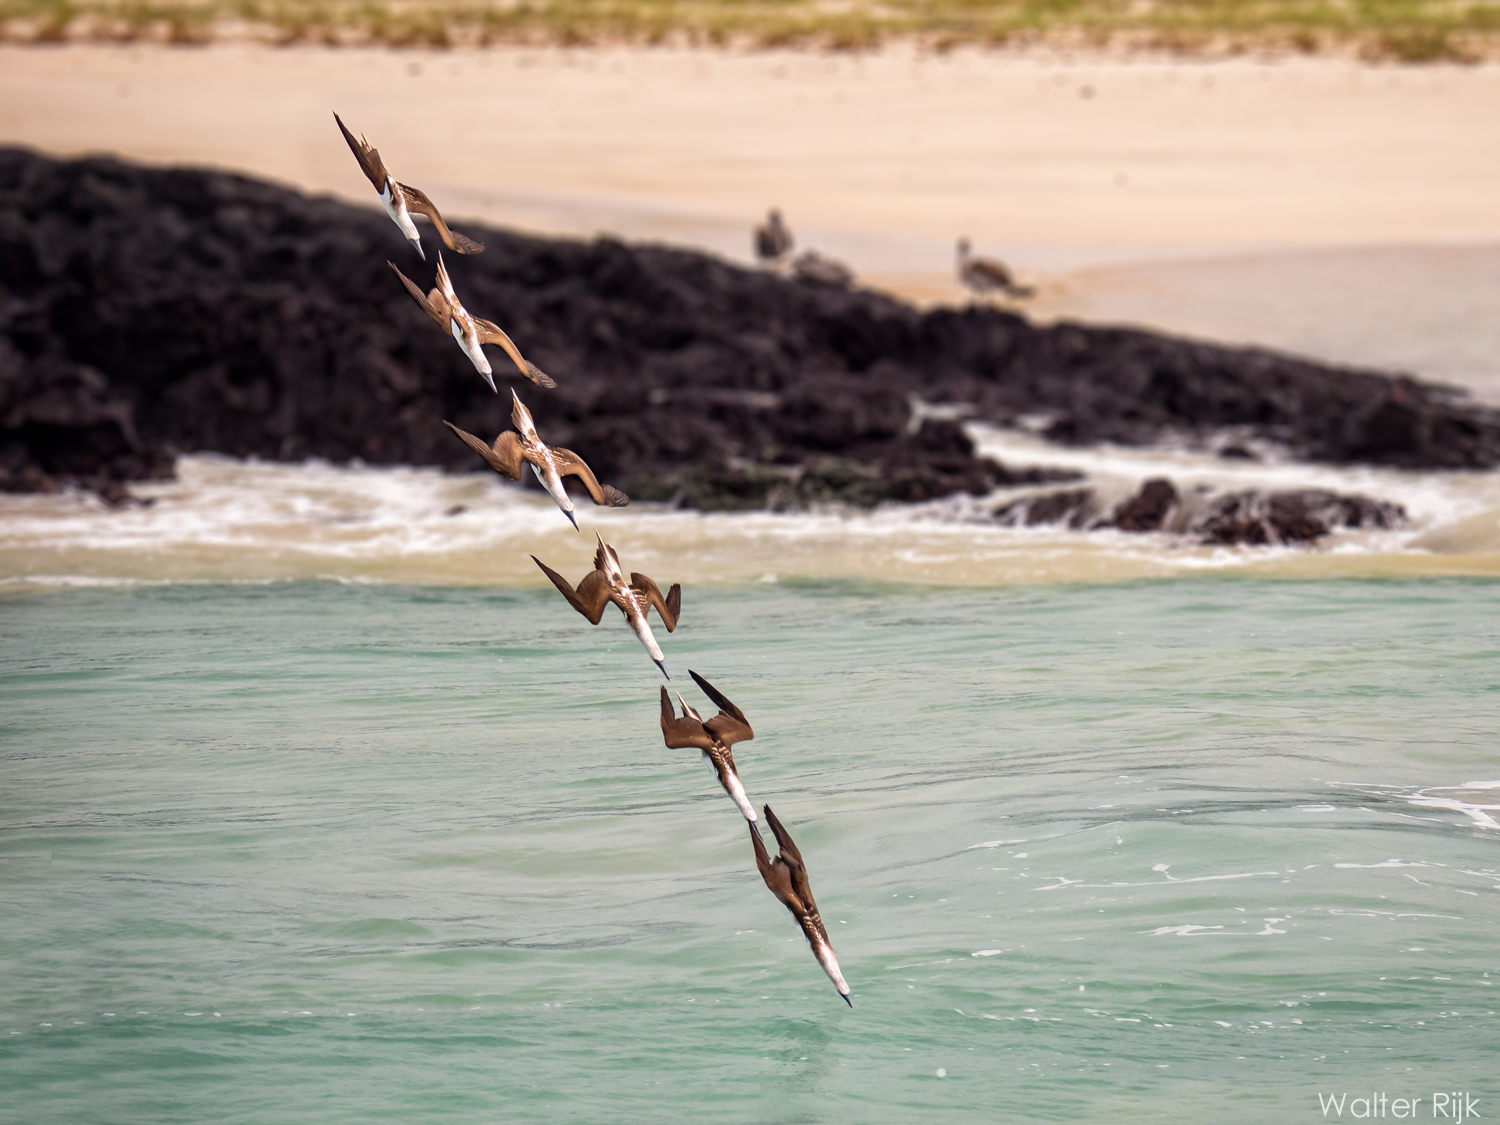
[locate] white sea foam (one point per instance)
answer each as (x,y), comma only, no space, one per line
(1476,800)
(229,520)
(1434,502)
(1478,813)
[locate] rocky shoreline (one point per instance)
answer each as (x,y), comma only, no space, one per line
(150,312)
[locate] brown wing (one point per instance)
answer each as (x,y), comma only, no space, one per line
(433,304)
(796,869)
(369,160)
(490,333)
(681,731)
(504,456)
(729,725)
(570,464)
(992,271)
(783,837)
(666,608)
(417,201)
(775,874)
(591,596)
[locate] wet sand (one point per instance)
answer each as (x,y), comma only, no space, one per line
(1324,206)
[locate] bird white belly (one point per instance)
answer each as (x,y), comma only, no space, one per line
(396,209)
(737,794)
(553,484)
(470,346)
(830,963)
(642,629)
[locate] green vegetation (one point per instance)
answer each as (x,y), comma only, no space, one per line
(1398,30)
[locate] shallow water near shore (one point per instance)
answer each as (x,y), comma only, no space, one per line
(1192,849)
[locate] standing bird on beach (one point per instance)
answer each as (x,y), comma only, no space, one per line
(606,583)
(511,450)
(985,275)
(402,201)
(713,736)
(786,875)
(443,305)
(773,239)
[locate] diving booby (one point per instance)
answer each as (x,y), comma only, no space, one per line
(786,875)
(606,583)
(401,200)
(713,736)
(443,305)
(512,450)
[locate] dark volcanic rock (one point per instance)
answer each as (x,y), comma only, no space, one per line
(1299,516)
(1149,509)
(147,311)
(1072,507)
(59,423)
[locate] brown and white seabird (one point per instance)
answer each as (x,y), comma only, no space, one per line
(512,450)
(786,875)
(713,736)
(773,239)
(986,275)
(606,583)
(402,201)
(443,305)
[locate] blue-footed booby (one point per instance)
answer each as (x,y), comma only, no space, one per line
(402,201)
(512,450)
(606,583)
(786,875)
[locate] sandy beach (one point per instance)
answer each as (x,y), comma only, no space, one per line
(1335,208)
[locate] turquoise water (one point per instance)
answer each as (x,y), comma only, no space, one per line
(1185,850)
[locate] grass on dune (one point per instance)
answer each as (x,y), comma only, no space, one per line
(1396,30)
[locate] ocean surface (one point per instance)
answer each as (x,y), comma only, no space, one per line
(317,805)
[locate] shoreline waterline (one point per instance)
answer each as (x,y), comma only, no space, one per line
(231,521)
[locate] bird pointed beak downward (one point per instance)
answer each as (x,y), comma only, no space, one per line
(572,521)
(662,664)
(417,242)
(848,1001)
(490,379)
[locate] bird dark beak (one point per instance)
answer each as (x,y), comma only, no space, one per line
(418,244)
(663,666)
(848,1001)
(572,521)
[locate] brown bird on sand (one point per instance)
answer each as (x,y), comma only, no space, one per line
(786,875)
(606,583)
(985,275)
(401,201)
(443,305)
(714,737)
(512,450)
(773,239)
